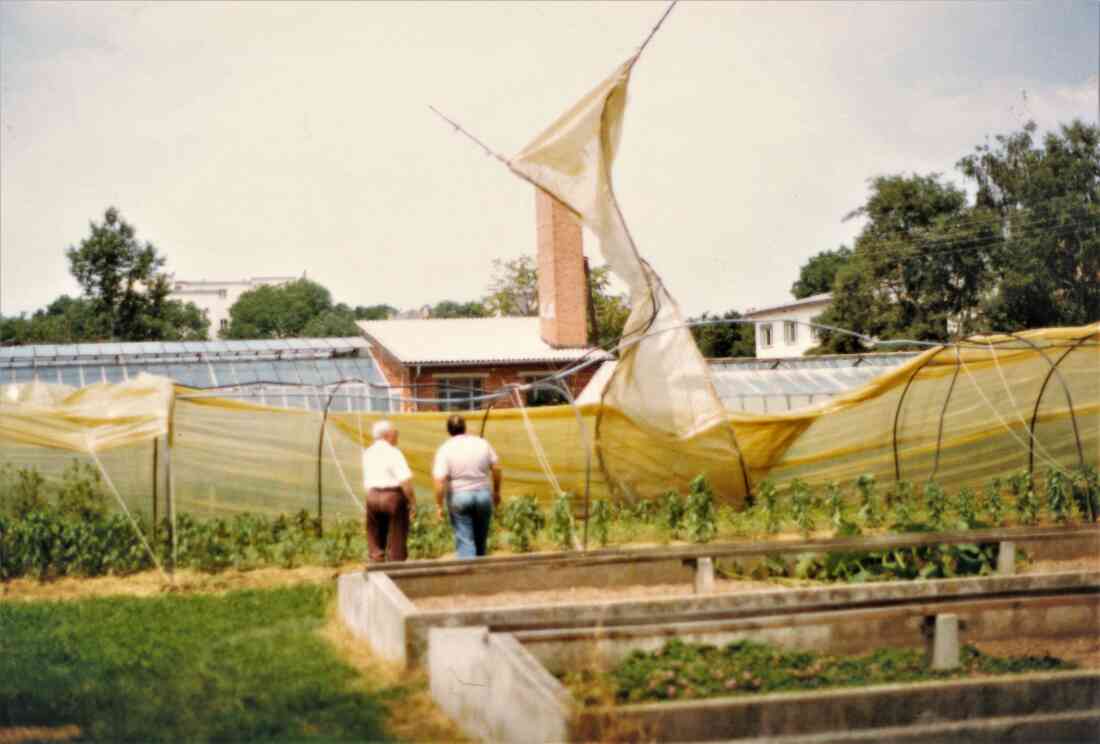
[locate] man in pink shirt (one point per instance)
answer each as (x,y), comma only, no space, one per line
(467,475)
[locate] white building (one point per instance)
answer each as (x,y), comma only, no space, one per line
(216,297)
(781,330)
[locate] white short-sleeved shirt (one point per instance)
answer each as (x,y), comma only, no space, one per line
(466,461)
(384,466)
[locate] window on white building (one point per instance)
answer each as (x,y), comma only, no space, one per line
(790,332)
(765,334)
(224,325)
(457,393)
(815,334)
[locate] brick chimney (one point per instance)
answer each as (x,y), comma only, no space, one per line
(563,289)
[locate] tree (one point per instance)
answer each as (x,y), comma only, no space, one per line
(817,274)
(285,312)
(451,309)
(725,339)
(374,312)
(513,288)
(1046,202)
(904,279)
(610,310)
(127,291)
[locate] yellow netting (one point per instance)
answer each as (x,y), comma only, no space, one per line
(228,456)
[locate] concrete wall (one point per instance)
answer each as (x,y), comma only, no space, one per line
(494,689)
(842,711)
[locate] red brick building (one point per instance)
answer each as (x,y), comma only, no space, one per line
(459,359)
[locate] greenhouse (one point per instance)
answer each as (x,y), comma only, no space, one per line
(289,373)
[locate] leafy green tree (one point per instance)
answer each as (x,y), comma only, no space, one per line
(452,309)
(901,282)
(1046,200)
(374,312)
(285,312)
(610,310)
(817,274)
(127,291)
(725,339)
(513,288)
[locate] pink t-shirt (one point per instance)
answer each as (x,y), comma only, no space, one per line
(466,461)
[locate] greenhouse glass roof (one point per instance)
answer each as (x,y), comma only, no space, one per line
(295,372)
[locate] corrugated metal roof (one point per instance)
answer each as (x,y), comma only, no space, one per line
(468,341)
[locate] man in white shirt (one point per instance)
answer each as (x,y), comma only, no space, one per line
(467,470)
(391,502)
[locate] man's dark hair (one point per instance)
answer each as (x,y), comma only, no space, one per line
(456,425)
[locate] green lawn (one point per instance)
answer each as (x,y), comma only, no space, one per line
(246,665)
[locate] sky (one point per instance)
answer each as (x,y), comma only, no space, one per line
(257,139)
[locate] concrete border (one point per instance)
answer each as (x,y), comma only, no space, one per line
(834,631)
(398,631)
(852,709)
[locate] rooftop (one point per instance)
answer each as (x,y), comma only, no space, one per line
(817,299)
(439,341)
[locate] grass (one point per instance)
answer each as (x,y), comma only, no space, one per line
(685,671)
(246,665)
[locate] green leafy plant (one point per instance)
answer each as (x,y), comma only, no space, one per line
(1086,491)
(700,520)
(672,511)
(22,491)
(834,499)
(82,493)
(429,537)
(1059,495)
(967,507)
(523,519)
(936,502)
(994,504)
(1023,492)
(870,511)
(768,503)
(905,506)
(599,521)
(561,521)
(801,498)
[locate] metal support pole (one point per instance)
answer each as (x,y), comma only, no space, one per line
(170,502)
(156,444)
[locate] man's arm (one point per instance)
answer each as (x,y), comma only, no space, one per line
(497,477)
(410,496)
(440,494)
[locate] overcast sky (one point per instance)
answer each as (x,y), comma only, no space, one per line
(279,138)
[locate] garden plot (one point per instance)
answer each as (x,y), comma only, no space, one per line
(394,606)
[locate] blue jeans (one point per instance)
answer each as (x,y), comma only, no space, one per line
(471,512)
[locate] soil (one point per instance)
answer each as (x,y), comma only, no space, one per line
(1083,651)
(585,594)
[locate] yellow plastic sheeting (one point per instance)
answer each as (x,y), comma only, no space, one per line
(968,414)
(90,419)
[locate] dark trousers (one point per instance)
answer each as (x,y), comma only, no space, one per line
(387,524)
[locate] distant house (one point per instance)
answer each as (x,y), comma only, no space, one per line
(781,331)
(458,360)
(216,297)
